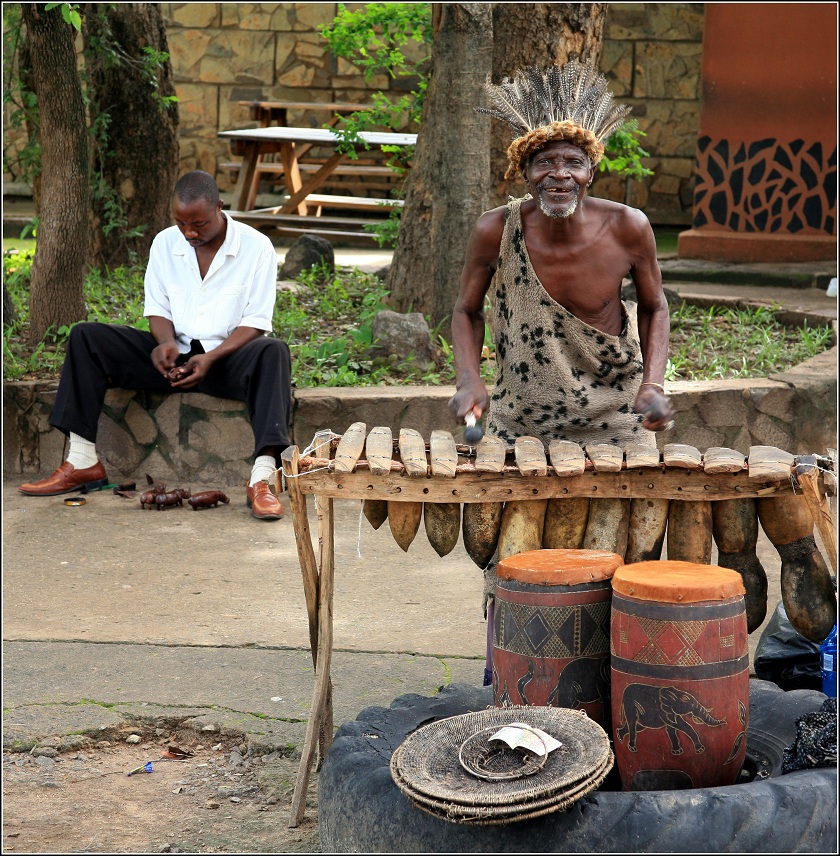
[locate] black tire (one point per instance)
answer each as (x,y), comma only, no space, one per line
(362,810)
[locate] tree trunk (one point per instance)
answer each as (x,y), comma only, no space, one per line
(137,164)
(539,34)
(24,61)
(58,270)
(447,187)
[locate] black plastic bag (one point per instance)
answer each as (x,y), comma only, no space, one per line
(787,658)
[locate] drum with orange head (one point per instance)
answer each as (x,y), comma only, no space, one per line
(679,675)
(551,630)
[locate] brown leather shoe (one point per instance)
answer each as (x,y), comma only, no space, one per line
(66,479)
(263,503)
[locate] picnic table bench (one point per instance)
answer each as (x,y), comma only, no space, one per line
(356,176)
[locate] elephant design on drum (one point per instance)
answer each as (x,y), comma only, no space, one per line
(644,707)
(582,681)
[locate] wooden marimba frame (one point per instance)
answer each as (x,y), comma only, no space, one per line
(684,483)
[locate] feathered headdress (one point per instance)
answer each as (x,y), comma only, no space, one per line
(568,103)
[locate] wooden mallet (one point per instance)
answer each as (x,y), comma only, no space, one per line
(473,432)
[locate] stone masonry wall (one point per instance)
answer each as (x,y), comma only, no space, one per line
(208,440)
(227,52)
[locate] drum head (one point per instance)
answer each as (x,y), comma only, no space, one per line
(559,567)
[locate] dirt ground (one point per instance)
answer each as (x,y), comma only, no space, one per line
(215,801)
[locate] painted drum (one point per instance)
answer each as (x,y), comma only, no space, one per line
(680,675)
(551,630)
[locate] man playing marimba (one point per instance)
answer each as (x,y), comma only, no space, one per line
(574,361)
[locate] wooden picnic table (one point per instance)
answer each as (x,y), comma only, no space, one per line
(269,113)
(302,202)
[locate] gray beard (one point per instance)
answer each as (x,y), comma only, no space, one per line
(556,215)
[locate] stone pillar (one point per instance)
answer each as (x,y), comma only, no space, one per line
(767,146)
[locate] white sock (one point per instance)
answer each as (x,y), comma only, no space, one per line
(82,452)
(264,468)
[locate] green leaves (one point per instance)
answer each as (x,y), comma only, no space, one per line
(376,40)
(326,321)
(623,152)
(113,297)
(385,232)
(70,13)
(722,342)
(372,37)
(152,62)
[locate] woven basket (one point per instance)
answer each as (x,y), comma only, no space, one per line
(489,815)
(428,770)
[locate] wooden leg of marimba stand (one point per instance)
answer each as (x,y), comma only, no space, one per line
(321,711)
(311,587)
(306,555)
(326,541)
(808,476)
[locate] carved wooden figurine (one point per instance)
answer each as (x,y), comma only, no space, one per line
(207,499)
(172,498)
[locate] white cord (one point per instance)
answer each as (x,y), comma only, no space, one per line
(322,436)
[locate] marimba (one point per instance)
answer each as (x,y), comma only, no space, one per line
(630,501)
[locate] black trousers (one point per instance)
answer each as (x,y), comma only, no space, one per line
(104,356)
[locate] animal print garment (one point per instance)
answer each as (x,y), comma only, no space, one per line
(558,378)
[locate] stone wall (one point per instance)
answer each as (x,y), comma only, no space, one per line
(208,440)
(223,53)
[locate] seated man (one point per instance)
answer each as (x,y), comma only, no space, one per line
(209,296)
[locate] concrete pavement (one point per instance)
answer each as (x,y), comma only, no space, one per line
(111,613)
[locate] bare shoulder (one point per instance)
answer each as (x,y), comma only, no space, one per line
(628,227)
(491,224)
(486,237)
(635,221)
(622,218)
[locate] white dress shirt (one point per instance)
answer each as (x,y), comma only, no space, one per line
(239,290)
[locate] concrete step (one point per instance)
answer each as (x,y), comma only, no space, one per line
(793,306)
(794,275)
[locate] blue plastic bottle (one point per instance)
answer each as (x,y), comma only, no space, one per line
(828,663)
